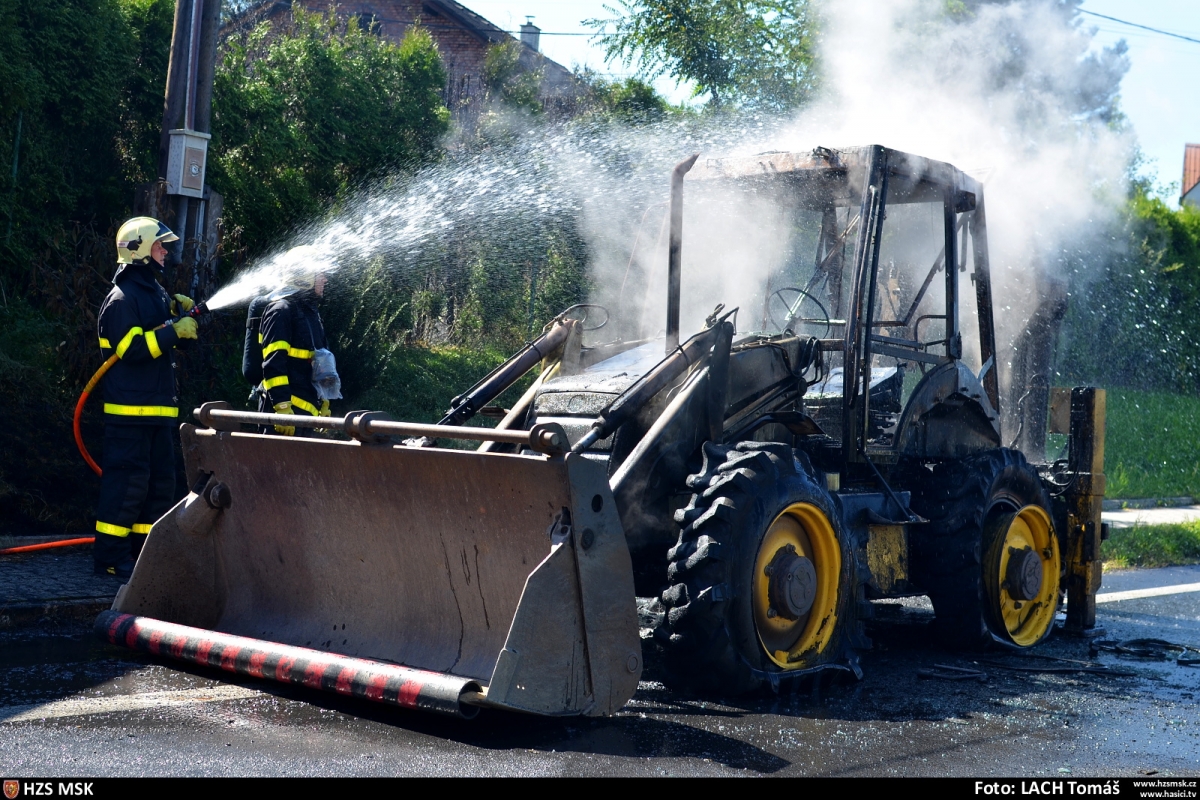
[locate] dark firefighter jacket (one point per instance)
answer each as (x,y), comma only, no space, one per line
(291,335)
(140,387)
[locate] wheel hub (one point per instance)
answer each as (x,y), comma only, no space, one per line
(792,584)
(797,586)
(1024,578)
(1021,575)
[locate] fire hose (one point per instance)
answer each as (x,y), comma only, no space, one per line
(83,398)
(29,548)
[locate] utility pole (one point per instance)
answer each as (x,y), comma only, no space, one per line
(180,197)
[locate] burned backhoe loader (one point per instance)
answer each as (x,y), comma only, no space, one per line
(733,499)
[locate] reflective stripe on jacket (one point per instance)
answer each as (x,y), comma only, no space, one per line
(139,388)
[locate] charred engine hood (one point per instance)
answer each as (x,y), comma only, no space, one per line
(574,401)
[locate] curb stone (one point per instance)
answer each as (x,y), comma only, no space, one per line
(38,611)
(1149,502)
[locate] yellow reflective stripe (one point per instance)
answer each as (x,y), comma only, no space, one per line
(140,411)
(104,344)
(123,345)
(273,346)
(111,530)
(298,402)
(260,338)
(271,383)
(291,351)
(152,344)
(142,527)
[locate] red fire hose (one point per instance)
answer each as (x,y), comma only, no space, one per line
(87,390)
(29,548)
(83,398)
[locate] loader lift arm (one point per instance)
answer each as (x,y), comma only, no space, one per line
(492,385)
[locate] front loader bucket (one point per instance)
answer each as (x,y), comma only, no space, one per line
(508,575)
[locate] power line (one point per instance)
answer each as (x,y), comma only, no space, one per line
(551,33)
(1143,27)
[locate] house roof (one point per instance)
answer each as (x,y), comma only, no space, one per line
(471,21)
(1191,167)
(557,78)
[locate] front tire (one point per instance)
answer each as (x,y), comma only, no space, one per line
(765,586)
(989,557)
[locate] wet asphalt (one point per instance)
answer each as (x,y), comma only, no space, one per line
(70,705)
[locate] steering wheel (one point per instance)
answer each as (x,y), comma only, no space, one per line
(791,301)
(586,308)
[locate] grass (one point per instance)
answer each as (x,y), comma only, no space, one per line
(420,382)
(1152,444)
(1152,546)
(1152,449)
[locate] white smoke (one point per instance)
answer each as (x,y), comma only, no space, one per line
(1012,93)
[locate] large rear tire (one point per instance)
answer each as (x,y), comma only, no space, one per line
(989,558)
(765,586)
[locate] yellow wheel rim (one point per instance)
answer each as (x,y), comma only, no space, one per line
(790,642)
(1024,609)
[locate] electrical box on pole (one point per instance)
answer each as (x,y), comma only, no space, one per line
(186,162)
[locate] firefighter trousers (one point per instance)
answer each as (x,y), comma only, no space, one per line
(138,487)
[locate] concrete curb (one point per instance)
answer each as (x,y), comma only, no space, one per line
(1149,502)
(37,611)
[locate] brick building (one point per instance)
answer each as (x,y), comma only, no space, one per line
(462,36)
(1191,175)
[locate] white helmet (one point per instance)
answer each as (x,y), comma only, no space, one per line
(137,236)
(300,267)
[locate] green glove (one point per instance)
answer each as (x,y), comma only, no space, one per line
(182,304)
(324,412)
(185,328)
(285,408)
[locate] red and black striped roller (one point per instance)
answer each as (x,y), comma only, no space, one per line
(331,672)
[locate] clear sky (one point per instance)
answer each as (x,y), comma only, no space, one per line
(1160,94)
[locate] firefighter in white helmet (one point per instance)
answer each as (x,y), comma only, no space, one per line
(141,403)
(293,338)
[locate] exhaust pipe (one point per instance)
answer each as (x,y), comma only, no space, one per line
(390,684)
(675,251)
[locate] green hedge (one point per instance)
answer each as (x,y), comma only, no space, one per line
(1132,321)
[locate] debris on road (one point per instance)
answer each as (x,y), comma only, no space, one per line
(1070,667)
(946,672)
(1158,649)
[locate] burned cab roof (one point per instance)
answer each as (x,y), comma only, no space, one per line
(768,164)
(824,165)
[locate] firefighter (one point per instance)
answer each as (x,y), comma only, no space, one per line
(141,404)
(292,334)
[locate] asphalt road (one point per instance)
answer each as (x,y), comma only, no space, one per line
(70,705)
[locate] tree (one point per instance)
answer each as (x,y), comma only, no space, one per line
(630,100)
(302,115)
(507,81)
(754,53)
(82,80)
(1083,81)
